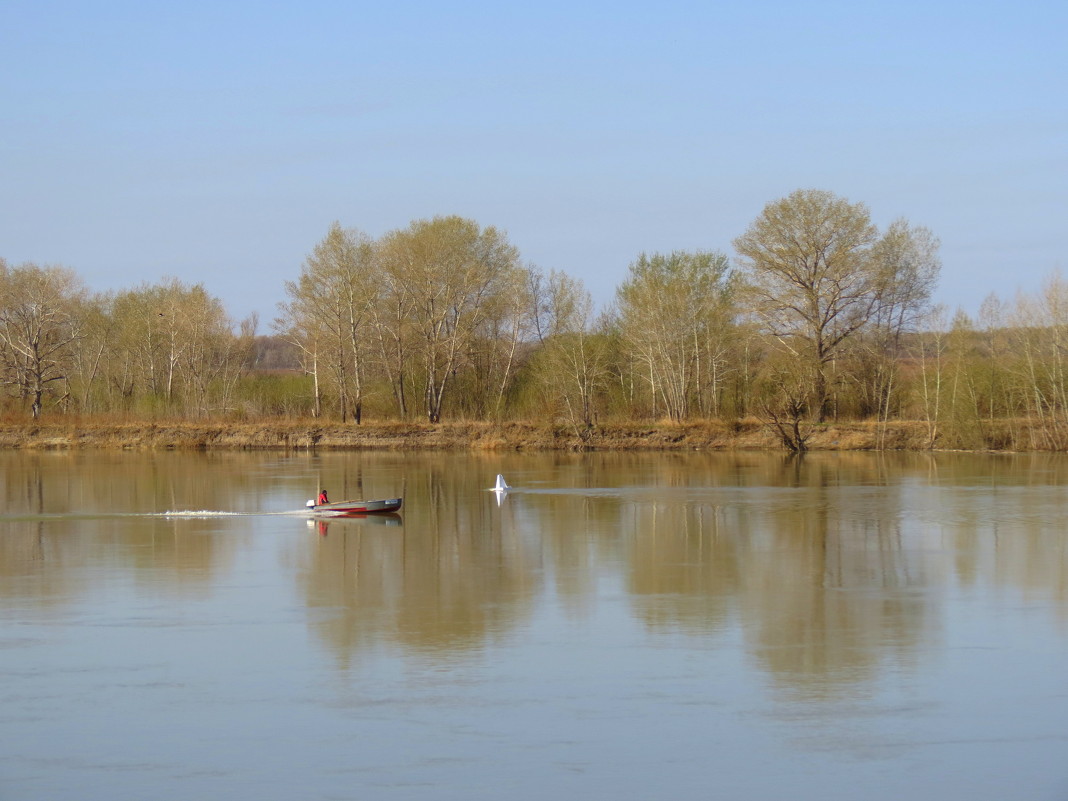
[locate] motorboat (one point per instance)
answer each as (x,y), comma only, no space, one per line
(342,508)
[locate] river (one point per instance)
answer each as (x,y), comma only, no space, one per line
(617,626)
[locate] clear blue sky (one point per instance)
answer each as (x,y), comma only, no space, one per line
(217,141)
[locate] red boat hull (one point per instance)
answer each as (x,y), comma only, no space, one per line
(340,508)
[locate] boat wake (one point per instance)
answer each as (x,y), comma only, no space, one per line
(199,513)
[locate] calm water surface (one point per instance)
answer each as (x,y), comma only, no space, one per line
(616,627)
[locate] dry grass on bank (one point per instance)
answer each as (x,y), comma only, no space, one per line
(749,434)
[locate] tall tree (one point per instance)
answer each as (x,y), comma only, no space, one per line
(445,276)
(149,336)
(213,356)
(499,353)
(675,312)
(172,346)
(94,350)
(1039,340)
(929,349)
(818,274)
(329,312)
(907,257)
(39,310)
(572,363)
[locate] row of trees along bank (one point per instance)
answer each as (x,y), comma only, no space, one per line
(820,316)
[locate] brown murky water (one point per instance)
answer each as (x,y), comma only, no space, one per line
(617,626)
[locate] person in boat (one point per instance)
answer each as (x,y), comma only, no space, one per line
(322,498)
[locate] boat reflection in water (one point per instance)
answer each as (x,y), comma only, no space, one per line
(322,524)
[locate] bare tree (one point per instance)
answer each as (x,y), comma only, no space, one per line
(39,328)
(907,257)
(573,361)
(148,332)
(213,356)
(784,398)
(329,313)
(510,321)
(392,317)
(930,348)
(172,346)
(674,313)
(1040,342)
(305,334)
(444,275)
(97,329)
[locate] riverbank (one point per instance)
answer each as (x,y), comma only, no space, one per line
(304,435)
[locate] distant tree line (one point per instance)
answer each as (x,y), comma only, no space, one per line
(158,349)
(820,316)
